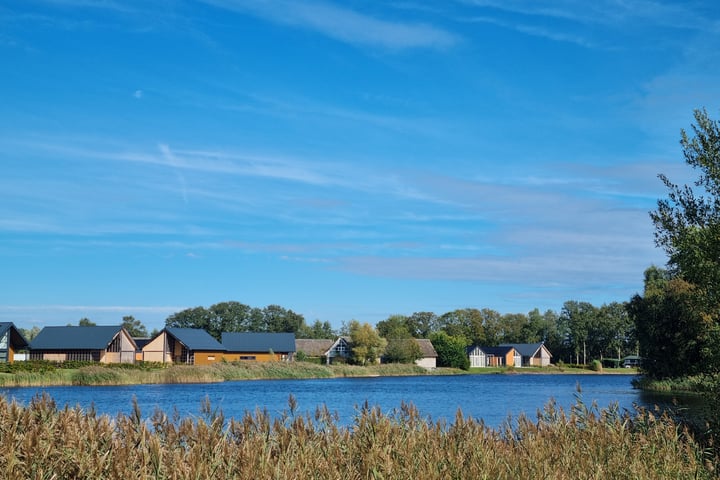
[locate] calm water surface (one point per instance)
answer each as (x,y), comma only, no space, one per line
(490,397)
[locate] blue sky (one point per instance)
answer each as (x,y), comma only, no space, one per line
(346,160)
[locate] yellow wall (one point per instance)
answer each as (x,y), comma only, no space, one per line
(259,357)
(206,358)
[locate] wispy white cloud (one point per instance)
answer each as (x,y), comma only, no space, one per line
(344,24)
(606,12)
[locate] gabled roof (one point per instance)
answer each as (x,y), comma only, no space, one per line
(343,339)
(258,342)
(500,351)
(426,348)
(76,338)
(195,339)
(526,349)
(16,338)
(313,347)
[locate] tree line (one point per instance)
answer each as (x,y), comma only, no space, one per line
(578,333)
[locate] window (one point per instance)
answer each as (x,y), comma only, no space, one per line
(247,357)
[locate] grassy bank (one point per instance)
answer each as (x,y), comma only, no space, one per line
(700,384)
(43,442)
(95,374)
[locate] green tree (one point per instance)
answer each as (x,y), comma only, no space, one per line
(86,322)
(466,322)
(367,345)
(687,227)
(422,324)
(579,318)
(134,327)
(29,334)
(675,335)
(278,319)
(401,346)
(318,330)
(687,223)
(452,351)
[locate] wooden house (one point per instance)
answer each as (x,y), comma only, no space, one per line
(502,356)
(261,347)
(103,344)
(11,340)
(190,346)
(533,354)
(429,355)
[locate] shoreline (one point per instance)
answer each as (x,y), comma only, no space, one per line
(104,375)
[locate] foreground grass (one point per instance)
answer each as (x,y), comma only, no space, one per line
(40,441)
(127,375)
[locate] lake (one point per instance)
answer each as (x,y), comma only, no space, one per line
(492,398)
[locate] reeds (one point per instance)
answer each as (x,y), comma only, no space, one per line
(40,441)
(45,373)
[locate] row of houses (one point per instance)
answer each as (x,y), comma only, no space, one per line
(193,346)
(113,344)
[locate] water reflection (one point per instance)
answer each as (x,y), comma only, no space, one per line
(492,398)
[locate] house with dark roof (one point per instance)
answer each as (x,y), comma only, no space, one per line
(103,344)
(502,356)
(191,346)
(261,347)
(11,340)
(533,354)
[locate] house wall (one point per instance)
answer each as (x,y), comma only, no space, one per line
(154,351)
(427,362)
(259,357)
(541,359)
(54,357)
(207,358)
(127,356)
(477,358)
(126,353)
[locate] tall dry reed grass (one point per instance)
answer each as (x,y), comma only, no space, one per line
(41,441)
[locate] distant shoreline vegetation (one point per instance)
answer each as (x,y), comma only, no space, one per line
(40,373)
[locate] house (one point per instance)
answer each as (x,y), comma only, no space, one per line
(140,342)
(329,350)
(533,354)
(429,355)
(502,356)
(313,348)
(261,347)
(192,346)
(104,344)
(632,361)
(340,349)
(11,340)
